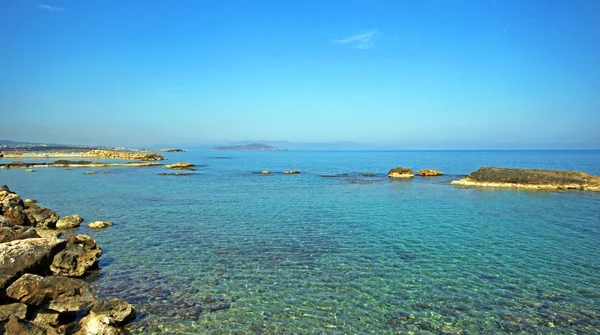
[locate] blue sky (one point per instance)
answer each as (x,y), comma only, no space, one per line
(407,74)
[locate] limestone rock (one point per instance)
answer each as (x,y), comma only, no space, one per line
(16,326)
(18,309)
(80,254)
(180,166)
(94,324)
(15,215)
(291,172)
(69,222)
(401,172)
(46,317)
(99,224)
(91,172)
(4,222)
(33,255)
(8,234)
(61,294)
(119,311)
(41,216)
(429,173)
(30,170)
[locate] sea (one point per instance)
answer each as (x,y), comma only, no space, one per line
(330,251)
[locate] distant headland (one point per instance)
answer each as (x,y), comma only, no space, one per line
(247,147)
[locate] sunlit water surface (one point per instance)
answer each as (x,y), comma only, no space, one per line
(225,251)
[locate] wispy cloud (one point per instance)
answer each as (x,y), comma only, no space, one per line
(363,40)
(50,8)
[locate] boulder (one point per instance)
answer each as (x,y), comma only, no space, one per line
(8,234)
(94,324)
(23,327)
(4,222)
(291,172)
(80,254)
(33,255)
(30,170)
(41,216)
(180,166)
(119,311)
(60,294)
(99,224)
(18,309)
(401,172)
(15,216)
(429,173)
(68,222)
(46,317)
(91,172)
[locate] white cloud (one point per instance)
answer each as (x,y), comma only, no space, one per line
(50,8)
(360,41)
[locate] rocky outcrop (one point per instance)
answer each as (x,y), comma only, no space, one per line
(291,172)
(60,294)
(80,255)
(19,326)
(99,224)
(114,154)
(262,172)
(68,222)
(401,172)
(17,309)
(41,216)
(33,255)
(429,173)
(531,179)
(180,166)
(8,234)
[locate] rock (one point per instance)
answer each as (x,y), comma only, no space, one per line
(69,222)
(8,234)
(41,216)
(30,170)
(429,173)
(291,172)
(94,324)
(48,233)
(531,179)
(91,172)
(18,326)
(33,255)
(175,174)
(99,224)
(180,166)
(4,222)
(18,309)
(60,294)
(401,172)
(114,154)
(46,317)
(119,311)
(80,254)
(16,216)
(367,175)
(29,201)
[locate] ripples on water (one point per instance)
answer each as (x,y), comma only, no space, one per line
(228,252)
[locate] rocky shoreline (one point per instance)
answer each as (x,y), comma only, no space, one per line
(97,153)
(68,163)
(40,287)
(533,179)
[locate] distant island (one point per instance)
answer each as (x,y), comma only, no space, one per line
(247,147)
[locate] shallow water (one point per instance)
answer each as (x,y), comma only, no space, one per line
(224,251)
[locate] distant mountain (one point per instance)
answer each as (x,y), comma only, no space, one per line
(247,147)
(287,145)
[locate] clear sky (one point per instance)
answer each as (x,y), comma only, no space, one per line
(426,74)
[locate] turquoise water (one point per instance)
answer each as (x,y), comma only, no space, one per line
(227,252)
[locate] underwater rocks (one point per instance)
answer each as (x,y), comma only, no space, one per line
(401,172)
(176,174)
(429,173)
(531,179)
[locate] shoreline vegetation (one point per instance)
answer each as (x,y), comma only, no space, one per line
(41,286)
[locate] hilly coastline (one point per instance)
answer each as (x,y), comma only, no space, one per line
(247,147)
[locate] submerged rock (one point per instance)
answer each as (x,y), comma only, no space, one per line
(80,254)
(429,173)
(30,170)
(99,224)
(60,294)
(180,166)
(119,311)
(531,179)
(291,172)
(401,172)
(69,222)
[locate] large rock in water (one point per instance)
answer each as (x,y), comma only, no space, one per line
(41,216)
(33,255)
(81,254)
(68,222)
(531,179)
(106,316)
(429,173)
(401,172)
(99,224)
(60,294)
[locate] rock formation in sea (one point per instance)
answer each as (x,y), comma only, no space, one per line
(401,172)
(40,292)
(180,166)
(531,179)
(99,224)
(429,173)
